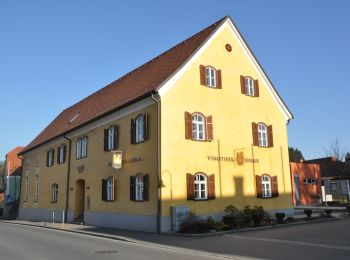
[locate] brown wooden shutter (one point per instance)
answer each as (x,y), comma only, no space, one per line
(104,190)
(274,187)
(256,88)
(258,186)
(114,192)
(270,136)
(218,80)
(211,186)
(190,186)
(146,187)
(105,140)
(132,188)
(58,155)
(47,158)
(116,137)
(209,123)
(132,131)
(202,75)
(255,134)
(145,126)
(64,153)
(243,89)
(188,125)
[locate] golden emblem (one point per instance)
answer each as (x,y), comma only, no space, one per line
(240,158)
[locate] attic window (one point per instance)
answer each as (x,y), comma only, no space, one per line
(73,118)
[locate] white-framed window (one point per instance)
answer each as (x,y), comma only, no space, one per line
(27,189)
(200,187)
(139,129)
(262,135)
(249,86)
(82,147)
(50,157)
(54,193)
(139,186)
(61,153)
(266,186)
(198,129)
(111,138)
(110,189)
(210,76)
(37,183)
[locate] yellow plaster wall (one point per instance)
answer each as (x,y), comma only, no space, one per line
(232,114)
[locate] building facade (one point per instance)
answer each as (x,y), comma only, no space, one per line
(199,126)
(306,183)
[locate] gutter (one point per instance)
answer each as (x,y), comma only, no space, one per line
(159,182)
(68,176)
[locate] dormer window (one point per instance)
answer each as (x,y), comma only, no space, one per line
(249,86)
(210,77)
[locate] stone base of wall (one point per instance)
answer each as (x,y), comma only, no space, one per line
(41,214)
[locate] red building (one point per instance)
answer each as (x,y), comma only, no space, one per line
(306,183)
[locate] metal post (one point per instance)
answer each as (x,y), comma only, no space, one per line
(53,217)
(63,217)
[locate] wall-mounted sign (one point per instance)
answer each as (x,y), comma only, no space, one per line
(240,158)
(231,159)
(117,159)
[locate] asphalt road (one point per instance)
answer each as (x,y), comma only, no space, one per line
(325,240)
(25,242)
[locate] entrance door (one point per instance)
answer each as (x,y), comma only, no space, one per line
(297,189)
(79,199)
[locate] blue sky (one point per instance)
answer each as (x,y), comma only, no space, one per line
(54,53)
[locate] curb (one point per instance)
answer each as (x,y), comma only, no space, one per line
(219,233)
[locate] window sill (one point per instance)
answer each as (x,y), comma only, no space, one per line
(53,202)
(81,158)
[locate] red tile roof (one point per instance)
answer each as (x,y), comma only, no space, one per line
(13,164)
(331,167)
(128,89)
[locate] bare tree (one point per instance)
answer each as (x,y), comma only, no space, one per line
(335,149)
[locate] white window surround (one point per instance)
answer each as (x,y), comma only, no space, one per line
(82,147)
(37,183)
(200,187)
(266,186)
(54,193)
(50,158)
(110,189)
(139,186)
(111,137)
(210,77)
(139,129)
(61,154)
(262,135)
(249,86)
(198,127)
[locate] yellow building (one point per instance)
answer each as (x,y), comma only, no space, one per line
(199,126)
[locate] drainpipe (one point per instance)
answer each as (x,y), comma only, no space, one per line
(159,193)
(68,177)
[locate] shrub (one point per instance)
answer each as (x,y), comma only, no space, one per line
(256,214)
(280,216)
(232,217)
(308,212)
(329,212)
(194,224)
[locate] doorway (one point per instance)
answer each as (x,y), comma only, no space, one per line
(79,199)
(297,189)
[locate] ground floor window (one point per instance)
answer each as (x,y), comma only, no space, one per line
(139,190)
(54,193)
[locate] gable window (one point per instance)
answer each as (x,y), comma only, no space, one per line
(61,154)
(198,127)
(54,193)
(210,77)
(139,190)
(81,147)
(139,129)
(27,189)
(249,86)
(50,157)
(200,186)
(109,189)
(262,135)
(266,186)
(37,182)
